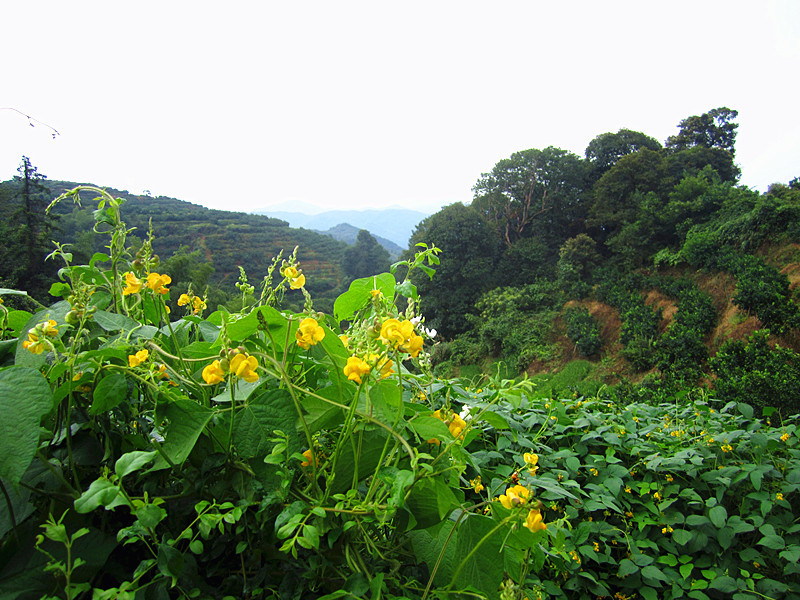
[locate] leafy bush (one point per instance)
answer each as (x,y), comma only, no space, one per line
(680,353)
(754,372)
(583,331)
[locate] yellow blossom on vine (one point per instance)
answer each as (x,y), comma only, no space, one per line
(375,293)
(784,437)
(356,368)
(534,521)
(295,277)
(531,461)
(213,373)
(779,496)
(37,335)
(667,529)
(726,447)
(401,336)
(134,360)
(309,333)
(158,283)
(345,340)
(476,484)
(596,547)
(381,364)
(244,367)
(133,284)
(454,423)
(593,471)
(196,302)
(515,496)
(670,478)
(657,495)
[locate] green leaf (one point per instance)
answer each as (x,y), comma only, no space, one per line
(170,562)
(681,536)
(263,413)
(109,393)
(495,420)
(196,546)
(25,398)
(429,428)
(648,593)
(150,515)
(358,295)
(724,583)
(114,321)
(718,515)
(101,492)
(686,570)
(772,541)
(627,567)
(132,461)
(430,502)
(187,419)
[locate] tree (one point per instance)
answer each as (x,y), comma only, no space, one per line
(607,148)
(714,129)
(533,193)
(467,266)
(26,233)
(364,258)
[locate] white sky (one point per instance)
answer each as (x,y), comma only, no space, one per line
(247,104)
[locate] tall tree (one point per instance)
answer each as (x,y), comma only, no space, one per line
(607,148)
(364,258)
(467,266)
(714,129)
(26,233)
(533,192)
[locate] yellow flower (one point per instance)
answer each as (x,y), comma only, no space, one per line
(657,496)
(35,343)
(134,360)
(311,458)
(627,489)
(309,333)
(132,284)
(667,529)
(345,340)
(244,367)
(726,448)
(534,521)
(158,282)
(515,496)
(784,437)
(596,547)
(184,300)
(356,368)
(454,423)
(670,478)
(380,364)
(375,293)
(593,471)
(213,373)
(779,496)
(476,484)
(531,461)
(401,336)
(295,277)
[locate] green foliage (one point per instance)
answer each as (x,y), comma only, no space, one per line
(681,353)
(763,290)
(755,373)
(583,331)
(366,257)
(714,129)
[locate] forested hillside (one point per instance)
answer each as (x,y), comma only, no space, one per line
(647,259)
(201,246)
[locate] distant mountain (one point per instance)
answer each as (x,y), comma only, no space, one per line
(395,224)
(344,232)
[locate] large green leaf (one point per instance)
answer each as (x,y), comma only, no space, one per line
(187,419)
(484,570)
(109,393)
(256,420)
(357,296)
(25,397)
(430,502)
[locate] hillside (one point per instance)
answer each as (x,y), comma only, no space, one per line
(225,240)
(395,224)
(344,232)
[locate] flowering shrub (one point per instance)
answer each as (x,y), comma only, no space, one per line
(258,454)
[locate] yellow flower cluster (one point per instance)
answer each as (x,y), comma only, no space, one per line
(196,302)
(400,335)
(534,521)
(726,448)
(515,496)
(242,365)
(531,461)
(785,437)
(356,368)
(309,333)
(134,360)
(476,484)
(156,282)
(37,336)
(454,423)
(294,276)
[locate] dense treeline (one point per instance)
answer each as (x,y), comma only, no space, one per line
(547,228)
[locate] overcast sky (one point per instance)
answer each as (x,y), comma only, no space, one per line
(244,105)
